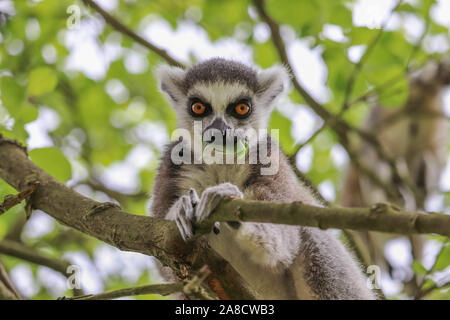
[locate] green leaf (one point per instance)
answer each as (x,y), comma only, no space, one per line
(396,95)
(419,268)
(443,259)
(265,54)
(41,80)
(12,94)
(283,124)
(361,35)
(26,113)
(53,161)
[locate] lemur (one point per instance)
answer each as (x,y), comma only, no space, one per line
(277,261)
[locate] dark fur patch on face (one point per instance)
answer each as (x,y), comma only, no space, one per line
(218,69)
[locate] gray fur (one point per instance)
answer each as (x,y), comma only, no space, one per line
(217,70)
(277,261)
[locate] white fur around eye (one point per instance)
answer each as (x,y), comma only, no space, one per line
(220,94)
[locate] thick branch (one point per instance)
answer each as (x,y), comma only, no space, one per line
(161,239)
(116,24)
(106,222)
(380,217)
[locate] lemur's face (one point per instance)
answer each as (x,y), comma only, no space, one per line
(222,95)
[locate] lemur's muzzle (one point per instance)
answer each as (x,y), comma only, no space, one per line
(224,139)
(216,128)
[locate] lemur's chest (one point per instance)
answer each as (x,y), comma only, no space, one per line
(203,176)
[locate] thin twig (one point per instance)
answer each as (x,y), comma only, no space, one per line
(18,250)
(189,287)
(194,287)
(342,128)
(21,251)
(12,200)
(359,65)
(116,24)
(162,289)
(422,292)
(309,140)
(6,280)
(307,182)
(6,293)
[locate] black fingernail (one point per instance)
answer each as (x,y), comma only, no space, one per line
(216,230)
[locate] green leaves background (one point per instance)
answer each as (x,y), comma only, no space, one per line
(95,130)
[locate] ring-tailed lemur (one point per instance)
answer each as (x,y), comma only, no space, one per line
(277,261)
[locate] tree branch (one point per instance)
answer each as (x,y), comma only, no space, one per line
(6,293)
(342,128)
(359,65)
(160,238)
(18,250)
(7,286)
(190,287)
(11,200)
(381,217)
(106,222)
(162,289)
(116,24)
(281,49)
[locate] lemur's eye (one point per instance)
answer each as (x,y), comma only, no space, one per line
(198,108)
(242,109)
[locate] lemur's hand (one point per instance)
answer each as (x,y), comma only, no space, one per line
(182,212)
(189,208)
(212,196)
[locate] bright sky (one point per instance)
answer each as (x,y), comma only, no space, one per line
(93,59)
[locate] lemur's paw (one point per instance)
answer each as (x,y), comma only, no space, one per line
(212,196)
(182,212)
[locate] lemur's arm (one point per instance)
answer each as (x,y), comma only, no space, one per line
(165,191)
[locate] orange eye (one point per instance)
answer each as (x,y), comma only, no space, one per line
(198,108)
(242,109)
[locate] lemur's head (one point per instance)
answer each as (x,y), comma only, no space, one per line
(223,94)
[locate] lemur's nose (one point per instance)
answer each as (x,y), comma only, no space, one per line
(217,124)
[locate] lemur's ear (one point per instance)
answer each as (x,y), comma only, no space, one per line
(171,81)
(272,83)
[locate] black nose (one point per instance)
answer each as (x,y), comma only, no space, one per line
(217,124)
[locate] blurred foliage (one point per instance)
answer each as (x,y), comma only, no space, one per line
(93,123)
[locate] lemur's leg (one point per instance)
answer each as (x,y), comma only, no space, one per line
(328,271)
